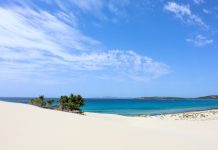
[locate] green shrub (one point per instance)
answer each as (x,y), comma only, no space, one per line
(50,103)
(71,103)
(40,101)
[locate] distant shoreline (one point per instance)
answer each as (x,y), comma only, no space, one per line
(209,97)
(172,99)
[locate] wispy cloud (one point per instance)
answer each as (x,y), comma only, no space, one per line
(184,13)
(198,1)
(117,7)
(87,5)
(113,6)
(39,42)
(200,40)
(104,10)
(206,11)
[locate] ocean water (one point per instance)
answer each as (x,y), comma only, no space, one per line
(135,107)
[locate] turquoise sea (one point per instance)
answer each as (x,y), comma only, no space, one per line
(134,107)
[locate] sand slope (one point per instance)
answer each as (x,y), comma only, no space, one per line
(25,127)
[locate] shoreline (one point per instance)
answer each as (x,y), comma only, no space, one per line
(185,112)
(167,116)
(25,127)
(139,115)
(209,114)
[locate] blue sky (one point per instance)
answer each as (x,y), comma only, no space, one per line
(98,48)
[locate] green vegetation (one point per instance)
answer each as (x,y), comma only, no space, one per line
(50,103)
(71,103)
(209,97)
(40,101)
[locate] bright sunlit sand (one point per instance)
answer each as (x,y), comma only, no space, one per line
(108,74)
(27,127)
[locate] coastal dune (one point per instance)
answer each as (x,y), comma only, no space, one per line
(26,127)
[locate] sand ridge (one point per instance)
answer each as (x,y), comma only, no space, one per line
(25,127)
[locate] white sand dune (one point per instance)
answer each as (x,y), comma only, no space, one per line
(25,127)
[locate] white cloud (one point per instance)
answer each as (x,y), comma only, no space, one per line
(98,8)
(38,42)
(88,5)
(39,30)
(104,10)
(117,7)
(184,13)
(113,6)
(200,40)
(206,11)
(198,1)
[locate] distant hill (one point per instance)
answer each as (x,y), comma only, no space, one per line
(209,97)
(161,98)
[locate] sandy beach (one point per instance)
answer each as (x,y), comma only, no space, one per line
(26,127)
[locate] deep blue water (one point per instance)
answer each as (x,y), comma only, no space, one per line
(138,107)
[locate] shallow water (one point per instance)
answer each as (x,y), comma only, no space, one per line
(134,107)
